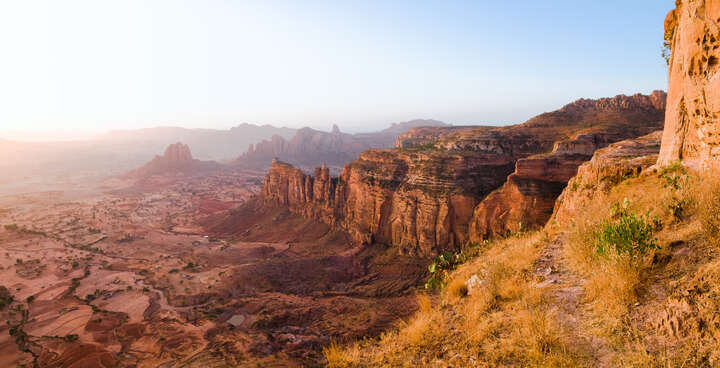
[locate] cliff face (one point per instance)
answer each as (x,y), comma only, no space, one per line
(692,124)
(434,191)
(310,148)
(527,198)
(607,167)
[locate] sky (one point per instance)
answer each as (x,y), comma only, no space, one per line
(76,67)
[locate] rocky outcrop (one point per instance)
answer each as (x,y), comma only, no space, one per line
(176,159)
(607,167)
(310,148)
(692,124)
(433,193)
(527,199)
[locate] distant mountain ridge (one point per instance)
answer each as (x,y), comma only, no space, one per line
(310,147)
(207,144)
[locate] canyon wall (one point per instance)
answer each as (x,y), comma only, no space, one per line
(607,167)
(443,187)
(692,125)
(310,148)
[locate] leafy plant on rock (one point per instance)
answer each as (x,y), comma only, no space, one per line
(444,263)
(626,233)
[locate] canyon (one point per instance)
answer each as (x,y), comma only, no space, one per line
(444,187)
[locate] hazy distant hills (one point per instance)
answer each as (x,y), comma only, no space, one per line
(36,165)
(310,148)
(206,144)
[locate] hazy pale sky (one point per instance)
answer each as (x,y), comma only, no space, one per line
(94,65)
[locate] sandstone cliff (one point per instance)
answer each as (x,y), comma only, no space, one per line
(434,191)
(607,167)
(310,148)
(692,125)
(527,198)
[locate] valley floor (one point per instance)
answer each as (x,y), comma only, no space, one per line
(131,276)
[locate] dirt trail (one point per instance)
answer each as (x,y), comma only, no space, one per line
(567,292)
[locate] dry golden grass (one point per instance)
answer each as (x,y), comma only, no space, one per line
(456,288)
(612,279)
(336,356)
(708,206)
(504,320)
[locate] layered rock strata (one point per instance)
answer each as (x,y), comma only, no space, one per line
(309,147)
(433,194)
(607,167)
(527,199)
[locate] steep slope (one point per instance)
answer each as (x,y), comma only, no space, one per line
(551,299)
(527,199)
(692,124)
(422,197)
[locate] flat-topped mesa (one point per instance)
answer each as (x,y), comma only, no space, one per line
(419,136)
(633,109)
(461,184)
(692,122)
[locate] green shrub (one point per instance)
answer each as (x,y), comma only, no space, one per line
(5,297)
(446,262)
(627,233)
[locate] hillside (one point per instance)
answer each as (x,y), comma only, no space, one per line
(451,185)
(625,273)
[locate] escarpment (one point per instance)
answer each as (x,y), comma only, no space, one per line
(692,123)
(310,148)
(443,187)
(527,199)
(607,167)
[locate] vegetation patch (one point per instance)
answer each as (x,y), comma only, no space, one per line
(5,297)
(627,234)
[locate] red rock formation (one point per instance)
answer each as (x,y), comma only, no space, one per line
(528,197)
(692,123)
(607,167)
(310,148)
(424,198)
(176,159)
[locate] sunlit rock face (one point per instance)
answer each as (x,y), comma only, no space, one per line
(442,187)
(692,123)
(607,167)
(310,148)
